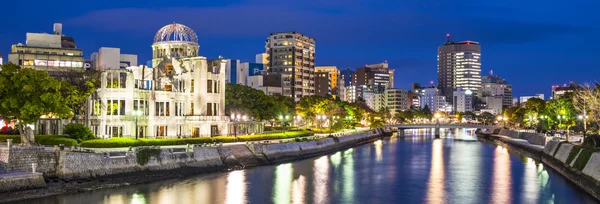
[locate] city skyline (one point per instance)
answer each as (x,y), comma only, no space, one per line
(392,31)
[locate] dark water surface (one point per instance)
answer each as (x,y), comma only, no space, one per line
(414,169)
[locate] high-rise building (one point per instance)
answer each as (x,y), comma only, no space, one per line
(53,52)
(334,76)
(346,77)
(380,101)
(376,77)
(323,83)
(414,100)
(391,83)
(111,58)
(294,54)
(495,86)
(462,101)
(397,100)
(432,98)
(459,66)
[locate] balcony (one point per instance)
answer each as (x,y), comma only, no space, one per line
(206,118)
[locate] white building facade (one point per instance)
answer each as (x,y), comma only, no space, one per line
(462,101)
(182,95)
(111,58)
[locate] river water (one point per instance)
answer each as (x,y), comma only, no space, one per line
(413,169)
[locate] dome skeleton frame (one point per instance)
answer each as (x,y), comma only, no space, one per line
(176,32)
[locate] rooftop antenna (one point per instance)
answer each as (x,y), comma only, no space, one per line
(491,72)
(448,38)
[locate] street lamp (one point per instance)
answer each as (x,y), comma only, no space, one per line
(531,118)
(560,119)
(283,119)
(584,118)
(320,117)
(502,120)
(137,113)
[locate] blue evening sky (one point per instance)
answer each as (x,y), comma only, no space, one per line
(533,44)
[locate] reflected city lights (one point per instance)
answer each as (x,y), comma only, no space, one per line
(298,190)
(466,168)
(284,174)
(321,178)
(336,159)
(236,187)
(378,147)
(436,184)
(501,186)
(531,182)
(348,176)
(138,198)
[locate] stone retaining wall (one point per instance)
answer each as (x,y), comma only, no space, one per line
(20,181)
(592,168)
(532,138)
(563,152)
(20,159)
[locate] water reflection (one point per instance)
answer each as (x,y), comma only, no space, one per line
(501,189)
(435,186)
(236,187)
(321,170)
(283,183)
(415,168)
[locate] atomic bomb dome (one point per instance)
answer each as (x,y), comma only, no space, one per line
(174,41)
(176,32)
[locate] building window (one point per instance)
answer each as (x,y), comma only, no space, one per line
(161,131)
(179,109)
(115,107)
(114,131)
(116,80)
(195,132)
(209,86)
(192,109)
(141,105)
(209,110)
(192,87)
(96,107)
(161,109)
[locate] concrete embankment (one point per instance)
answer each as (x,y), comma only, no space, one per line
(579,166)
(149,164)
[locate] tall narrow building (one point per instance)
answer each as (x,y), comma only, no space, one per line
(459,66)
(292,54)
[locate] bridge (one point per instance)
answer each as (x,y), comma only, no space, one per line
(401,127)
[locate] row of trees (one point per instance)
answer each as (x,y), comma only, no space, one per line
(567,112)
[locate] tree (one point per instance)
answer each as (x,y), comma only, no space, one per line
(535,104)
(426,112)
(560,112)
(486,118)
(531,118)
(586,101)
(28,94)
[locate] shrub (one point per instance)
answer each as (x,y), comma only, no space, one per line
(591,141)
(225,139)
(573,154)
(79,132)
(42,139)
(143,155)
(114,142)
(583,158)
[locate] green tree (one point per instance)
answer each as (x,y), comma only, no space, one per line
(486,118)
(426,112)
(535,104)
(531,118)
(560,112)
(28,94)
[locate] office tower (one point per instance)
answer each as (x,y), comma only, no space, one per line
(346,77)
(391,73)
(523,99)
(432,98)
(54,52)
(496,92)
(459,66)
(334,75)
(397,100)
(560,91)
(293,54)
(376,77)
(323,83)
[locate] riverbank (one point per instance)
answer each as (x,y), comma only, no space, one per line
(78,171)
(558,156)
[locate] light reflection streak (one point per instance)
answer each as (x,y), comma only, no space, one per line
(531,182)
(378,147)
(236,187)
(465,167)
(138,198)
(298,189)
(348,176)
(435,186)
(321,170)
(501,188)
(284,174)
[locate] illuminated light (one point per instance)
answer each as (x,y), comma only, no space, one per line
(236,187)
(284,175)
(448,35)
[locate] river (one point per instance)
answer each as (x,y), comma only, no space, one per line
(413,169)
